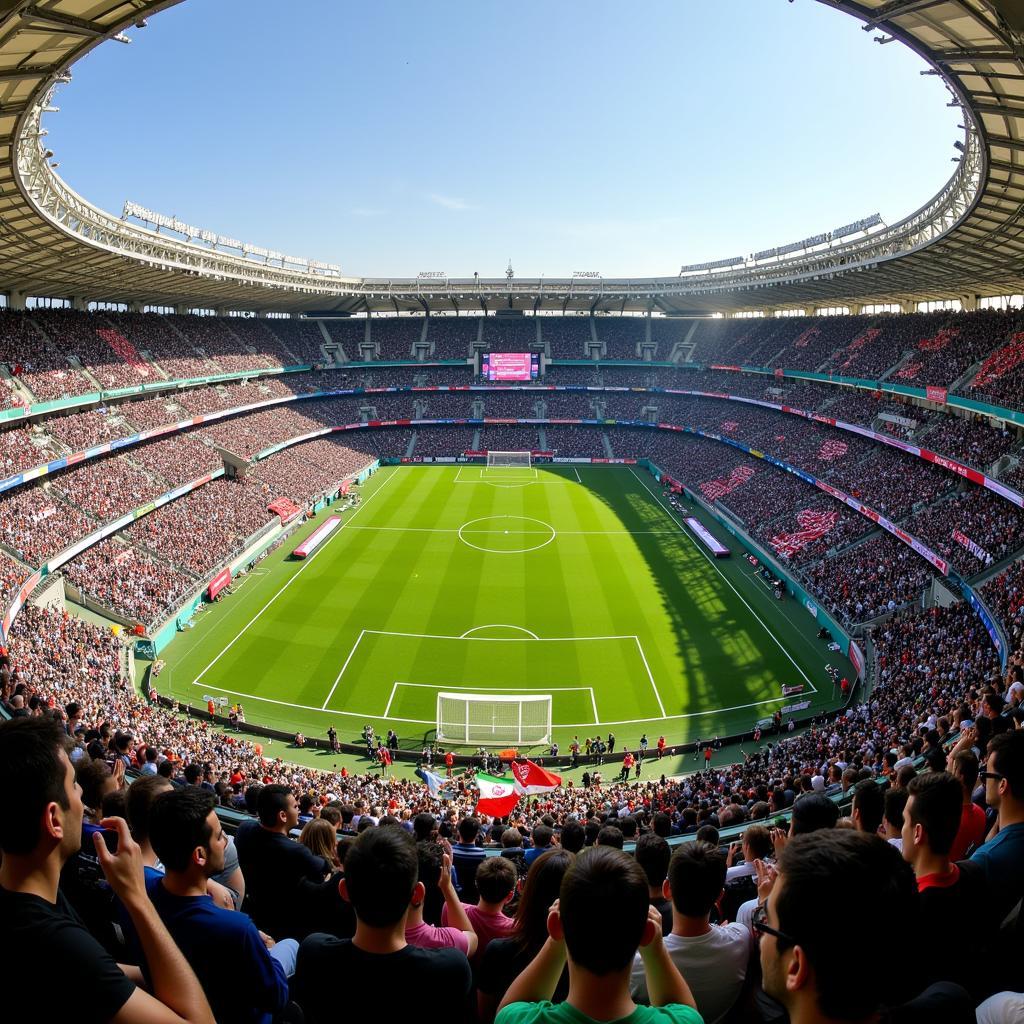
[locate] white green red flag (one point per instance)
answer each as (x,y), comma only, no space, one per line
(530,778)
(498,796)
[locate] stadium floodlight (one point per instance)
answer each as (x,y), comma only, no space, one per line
(487,719)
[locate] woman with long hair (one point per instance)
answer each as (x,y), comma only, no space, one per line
(319,836)
(504,959)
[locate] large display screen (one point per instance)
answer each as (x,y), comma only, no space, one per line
(510,365)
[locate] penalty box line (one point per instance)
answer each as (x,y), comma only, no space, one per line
(499,640)
(496,689)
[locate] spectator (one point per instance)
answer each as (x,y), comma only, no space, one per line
(542,835)
(868,807)
(930,823)
(796,925)
(653,853)
(496,883)
(964,768)
(601,919)
(285,881)
(381,883)
(1001,857)
(712,958)
(435,876)
(243,973)
(504,959)
(320,838)
(40,829)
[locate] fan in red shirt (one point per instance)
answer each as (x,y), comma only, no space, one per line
(449,762)
(964,768)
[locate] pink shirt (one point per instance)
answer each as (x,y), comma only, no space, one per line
(486,926)
(428,936)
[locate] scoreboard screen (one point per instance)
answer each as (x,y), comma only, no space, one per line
(510,365)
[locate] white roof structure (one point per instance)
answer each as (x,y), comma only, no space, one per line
(966,241)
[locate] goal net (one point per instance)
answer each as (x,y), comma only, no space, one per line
(484,719)
(509,460)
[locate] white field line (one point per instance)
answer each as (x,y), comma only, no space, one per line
(337,678)
(289,582)
(500,639)
(566,725)
(708,558)
(654,686)
(560,533)
(496,689)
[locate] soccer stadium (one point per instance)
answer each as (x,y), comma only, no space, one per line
(511,646)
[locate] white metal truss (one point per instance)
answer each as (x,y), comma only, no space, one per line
(968,239)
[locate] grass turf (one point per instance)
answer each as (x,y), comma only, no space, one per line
(573,582)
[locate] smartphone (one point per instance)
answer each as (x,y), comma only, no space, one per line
(109,839)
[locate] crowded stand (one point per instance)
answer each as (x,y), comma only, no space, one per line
(575,442)
(235,343)
(503,438)
(129,582)
(207,526)
(302,338)
(68,669)
(108,488)
(37,361)
(18,451)
(973,530)
(510,334)
(621,337)
(350,334)
(452,337)
(384,442)
(434,441)
(570,337)
(963,340)
(36,523)
(12,575)
(81,430)
(974,442)
(311,469)
(872,579)
(105,355)
(813,529)
(156,337)
(176,459)
(395,337)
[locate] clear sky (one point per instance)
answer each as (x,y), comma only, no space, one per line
(399,137)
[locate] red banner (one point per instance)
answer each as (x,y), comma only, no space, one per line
(935,394)
(218,583)
(285,508)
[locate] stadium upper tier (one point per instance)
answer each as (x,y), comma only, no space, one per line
(963,243)
(59,354)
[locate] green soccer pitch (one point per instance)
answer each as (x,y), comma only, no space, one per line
(573,582)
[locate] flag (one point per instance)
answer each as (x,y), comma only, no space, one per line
(498,796)
(531,778)
(434,782)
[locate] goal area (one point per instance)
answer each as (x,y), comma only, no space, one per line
(485,719)
(509,460)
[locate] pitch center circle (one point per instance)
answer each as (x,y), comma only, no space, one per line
(505,535)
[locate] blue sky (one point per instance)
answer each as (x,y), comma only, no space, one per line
(394,138)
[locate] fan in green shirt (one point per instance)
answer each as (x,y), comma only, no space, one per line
(600,920)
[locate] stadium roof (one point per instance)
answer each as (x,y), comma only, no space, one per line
(966,241)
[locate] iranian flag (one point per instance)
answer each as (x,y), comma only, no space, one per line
(531,778)
(498,796)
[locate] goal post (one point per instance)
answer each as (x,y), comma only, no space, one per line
(509,460)
(486,719)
